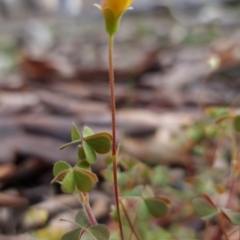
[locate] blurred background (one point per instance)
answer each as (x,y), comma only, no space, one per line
(173,58)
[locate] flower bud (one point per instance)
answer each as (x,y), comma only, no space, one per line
(112,11)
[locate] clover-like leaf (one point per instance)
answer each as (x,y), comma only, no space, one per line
(100,232)
(122,178)
(87,131)
(90,153)
(60,176)
(204,208)
(69,144)
(233,217)
(142,210)
(82,219)
(68,183)
(127,162)
(92,175)
(107,174)
(156,207)
(137,191)
(86,236)
(75,134)
(84,180)
(147,192)
(84,165)
(236,123)
(142,191)
(100,142)
(160,176)
(166,200)
(73,235)
(60,167)
(81,153)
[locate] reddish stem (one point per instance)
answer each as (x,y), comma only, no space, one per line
(114,143)
(90,214)
(84,199)
(223,227)
(129,221)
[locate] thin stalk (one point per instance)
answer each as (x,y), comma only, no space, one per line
(87,208)
(223,227)
(91,217)
(114,143)
(234,148)
(233,169)
(129,221)
(134,223)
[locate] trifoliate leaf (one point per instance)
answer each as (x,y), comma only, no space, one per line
(147,192)
(142,210)
(83,182)
(81,153)
(73,235)
(60,176)
(68,184)
(204,208)
(60,167)
(82,219)
(92,175)
(100,232)
(69,144)
(100,142)
(90,153)
(137,191)
(156,207)
(87,236)
(233,217)
(87,131)
(84,165)
(75,134)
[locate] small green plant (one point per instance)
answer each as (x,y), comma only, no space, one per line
(203,205)
(80,179)
(143,189)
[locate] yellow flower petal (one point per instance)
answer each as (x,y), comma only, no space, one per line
(116,6)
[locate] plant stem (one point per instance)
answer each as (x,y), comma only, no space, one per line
(223,227)
(134,223)
(114,143)
(90,214)
(129,221)
(87,209)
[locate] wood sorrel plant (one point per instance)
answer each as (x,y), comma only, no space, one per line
(112,11)
(80,179)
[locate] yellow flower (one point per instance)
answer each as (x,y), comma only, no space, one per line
(118,7)
(112,11)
